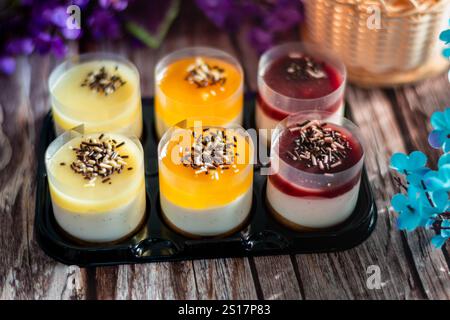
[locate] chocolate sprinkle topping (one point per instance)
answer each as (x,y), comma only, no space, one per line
(203,75)
(211,150)
(103,82)
(305,68)
(318,145)
(97,158)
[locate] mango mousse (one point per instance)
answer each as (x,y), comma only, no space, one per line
(97,185)
(206,179)
(197,83)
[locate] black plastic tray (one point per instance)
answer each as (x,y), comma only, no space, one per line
(155,241)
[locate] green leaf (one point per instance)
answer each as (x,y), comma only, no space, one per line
(154,40)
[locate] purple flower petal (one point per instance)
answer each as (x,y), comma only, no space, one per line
(118,5)
(57,16)
(260,39)
(81,3)
(7,65)
(435,139)
(42,42)
(58,47)
(103,24)
(70,34)
(20,46)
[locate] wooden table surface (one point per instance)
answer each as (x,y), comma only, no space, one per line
(392,120)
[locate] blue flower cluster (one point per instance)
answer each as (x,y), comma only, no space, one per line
(425,202)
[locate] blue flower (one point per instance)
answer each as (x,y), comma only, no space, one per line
(444,233)
(413,163)
(440,136)
(438,180)
(444,160)
(410,214)
(438,241)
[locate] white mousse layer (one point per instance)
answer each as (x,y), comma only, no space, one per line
(313,212)
(103,226)
(208,222)
(266,124)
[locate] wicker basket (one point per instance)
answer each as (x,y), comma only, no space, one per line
(404,49)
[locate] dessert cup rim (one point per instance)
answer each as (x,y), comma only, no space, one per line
(299,45)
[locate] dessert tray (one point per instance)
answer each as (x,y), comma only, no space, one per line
(155,241)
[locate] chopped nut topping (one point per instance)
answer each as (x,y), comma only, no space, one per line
(97,158)
(103,82)
(318,145)
(203,75)
(304,68)
(211,150)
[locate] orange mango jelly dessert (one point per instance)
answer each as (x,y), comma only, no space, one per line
(189,179)
(198,87)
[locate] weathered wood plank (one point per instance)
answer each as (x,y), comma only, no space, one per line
(166,281)
(224,279)
(414,106)
(277,278)
(25,271)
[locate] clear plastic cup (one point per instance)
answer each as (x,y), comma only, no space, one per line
(102,212)
(198,203)
(314,200)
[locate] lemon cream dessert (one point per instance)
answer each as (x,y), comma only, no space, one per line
(100,91)
(198,82)
(205,178)
(97,185)
(316,174)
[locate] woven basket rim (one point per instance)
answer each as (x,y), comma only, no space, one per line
(361,5)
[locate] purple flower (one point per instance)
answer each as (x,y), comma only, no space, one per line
(81,3)
(118,5)
(268,19)
(260,39)
(103,25)
(225,14)
(7,65)
(70,34)
(57,16)
(20,46)
(284,17)
(46,43)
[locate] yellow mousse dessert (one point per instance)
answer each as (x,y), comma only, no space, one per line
(196,83)
(205,178)
(100,91)
(97,185)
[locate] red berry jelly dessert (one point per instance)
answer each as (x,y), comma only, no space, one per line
(316,171)
(297,77)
